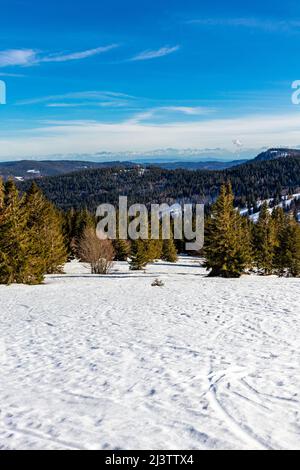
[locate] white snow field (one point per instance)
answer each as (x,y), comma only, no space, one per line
(91,362)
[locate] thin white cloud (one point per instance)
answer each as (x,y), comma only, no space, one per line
(269,25)
(13,57)
(67,98)
(154,54)
(102,104)
(78,55)
(14,75)
(91,137)
(29,57)
(190,110)
(161,111)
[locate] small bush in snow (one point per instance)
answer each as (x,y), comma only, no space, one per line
(158,283)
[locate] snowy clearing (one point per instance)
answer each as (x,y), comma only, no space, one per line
(90,362)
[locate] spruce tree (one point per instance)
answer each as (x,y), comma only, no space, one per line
(291,248)
(1,196)
(287,247)
(154,248)
(280,222)
(74,224)
(19,261)
(227,241)
(169,252)
(45,226)
(154,245)
(122,249)
(264,241)
(139,256)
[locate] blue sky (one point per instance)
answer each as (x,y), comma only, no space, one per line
(209,79)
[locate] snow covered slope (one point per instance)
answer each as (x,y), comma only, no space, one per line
(91,362)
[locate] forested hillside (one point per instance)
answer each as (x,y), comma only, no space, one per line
(250,182)
(29,169)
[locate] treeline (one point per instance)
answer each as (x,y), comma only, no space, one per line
(250,182)
(234,245)
(31,236)
(37,239)
(82,243)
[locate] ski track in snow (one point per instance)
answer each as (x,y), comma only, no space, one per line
(111,362)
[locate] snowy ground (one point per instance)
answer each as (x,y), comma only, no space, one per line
(111,362)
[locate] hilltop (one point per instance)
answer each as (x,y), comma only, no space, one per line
(253,181)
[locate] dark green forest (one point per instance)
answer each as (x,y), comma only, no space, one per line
(250,182)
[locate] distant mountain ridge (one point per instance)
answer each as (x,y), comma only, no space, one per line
(251,182)
(209,165)
(275,153)
(29,169)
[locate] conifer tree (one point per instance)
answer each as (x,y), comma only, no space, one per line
(74,224)
(45,226)
(264,241)
(154,245)
(154,249)
(18,259)
(139,256)
(291,247)
(227,247)
(169,252)
(122,249)
(280,222)
(1,195)
(287,246)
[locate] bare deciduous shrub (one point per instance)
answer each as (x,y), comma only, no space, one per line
(99,254)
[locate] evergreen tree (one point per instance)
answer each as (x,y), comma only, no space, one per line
(264,241)
(122,249)
(169,252)
(227,247)
(74,224)
(45,226)
(121,246)
(1,196)
(291,248)
(19,261)
(154,248)
(154,245)
(287,247)
(139,256)
(280,221)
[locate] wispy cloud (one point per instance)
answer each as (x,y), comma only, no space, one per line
(190,110)
(78,55)
(89,137)
(12,57)
(67,99)
(101,104)
(270,25)
(15,75)
(165,111)
(29,57)
(154,54)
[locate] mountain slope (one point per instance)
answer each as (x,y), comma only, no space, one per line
(209,165)
(274,153)
(251,181)
(27,169)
